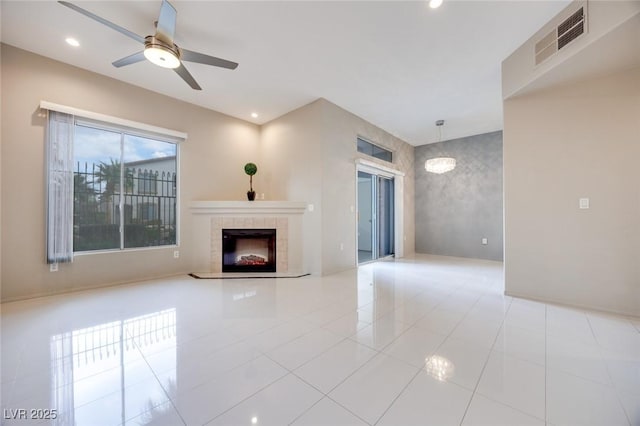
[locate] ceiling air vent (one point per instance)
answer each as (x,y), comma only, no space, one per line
(569,30)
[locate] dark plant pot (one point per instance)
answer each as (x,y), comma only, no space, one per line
(251,195)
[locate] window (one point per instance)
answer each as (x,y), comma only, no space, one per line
(375,151)
(125,188)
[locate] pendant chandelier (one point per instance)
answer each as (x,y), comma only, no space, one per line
(440,165)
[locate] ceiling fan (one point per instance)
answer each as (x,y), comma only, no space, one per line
(160,48)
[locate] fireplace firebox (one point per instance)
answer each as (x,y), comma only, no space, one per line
(248,250)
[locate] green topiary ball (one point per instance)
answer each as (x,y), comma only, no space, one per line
(250,169)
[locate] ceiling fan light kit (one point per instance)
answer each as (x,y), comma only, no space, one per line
(160,53)
(159,49)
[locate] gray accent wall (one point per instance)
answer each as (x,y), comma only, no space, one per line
(457,209)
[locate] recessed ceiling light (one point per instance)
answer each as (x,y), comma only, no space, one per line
(254,114)
(434,4)
(72,41)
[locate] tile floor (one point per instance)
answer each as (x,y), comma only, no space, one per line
(425,341)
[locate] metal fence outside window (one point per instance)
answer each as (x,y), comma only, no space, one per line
(147,198)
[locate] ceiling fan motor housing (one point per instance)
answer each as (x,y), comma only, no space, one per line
(161,53)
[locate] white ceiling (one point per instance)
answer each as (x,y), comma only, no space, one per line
(400,65)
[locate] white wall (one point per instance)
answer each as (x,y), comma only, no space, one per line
(319,140)
(306,155)
(212,161)
(561,144)
(290,168)
(520,73)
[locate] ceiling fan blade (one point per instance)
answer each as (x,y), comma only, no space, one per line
(103,21)
(131,59)
(201,58)
(186,76)
(166,26)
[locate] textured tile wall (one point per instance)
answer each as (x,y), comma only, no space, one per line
(455,210)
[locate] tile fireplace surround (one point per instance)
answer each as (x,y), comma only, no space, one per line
(211,217)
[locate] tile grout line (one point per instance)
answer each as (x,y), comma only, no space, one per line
(324,395)
(170,400)
(380,352)
(613,384)
(254,393)
(546,367)
(420,370)
(475,389)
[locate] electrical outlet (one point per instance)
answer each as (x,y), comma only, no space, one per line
(176,254)
(341,246)
(53,267)
(485,241)
(310,207)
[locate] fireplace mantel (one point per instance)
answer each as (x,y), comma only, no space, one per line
(248,208)
(211,217)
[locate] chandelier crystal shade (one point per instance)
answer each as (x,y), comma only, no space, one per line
(440,165)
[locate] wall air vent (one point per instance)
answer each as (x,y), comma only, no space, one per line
(568,30)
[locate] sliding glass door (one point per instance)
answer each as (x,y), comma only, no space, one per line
(385,216)
(375,217)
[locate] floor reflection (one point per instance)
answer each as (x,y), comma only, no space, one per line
(103,363)
(439,367)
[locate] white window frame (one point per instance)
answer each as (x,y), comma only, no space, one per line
(115,124)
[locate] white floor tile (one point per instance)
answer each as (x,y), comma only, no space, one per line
(428,401)
(329,369)
(195,349)
(372,389)
(278,404)
(481,331)
(347,325)
(161,415)
(575,401)
(577,357)
(440,320)
(118,407)
(527,314)
(306,347)
(522,343)
(603,323)
(625,375)
(380,333)
(327,412)
(514,382)
(631,407)
(205,402)
(624,344)
(569,323)
(279,335)
(464,362)
(414,346)
(190,372)
(485,412)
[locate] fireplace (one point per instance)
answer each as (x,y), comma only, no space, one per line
(248,250)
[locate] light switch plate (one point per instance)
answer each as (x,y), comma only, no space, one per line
(584,203)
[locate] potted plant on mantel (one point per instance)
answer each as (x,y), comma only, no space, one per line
(251,169)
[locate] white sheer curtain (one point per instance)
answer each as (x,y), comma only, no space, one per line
(60,187)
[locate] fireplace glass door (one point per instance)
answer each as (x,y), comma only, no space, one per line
(248,250)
